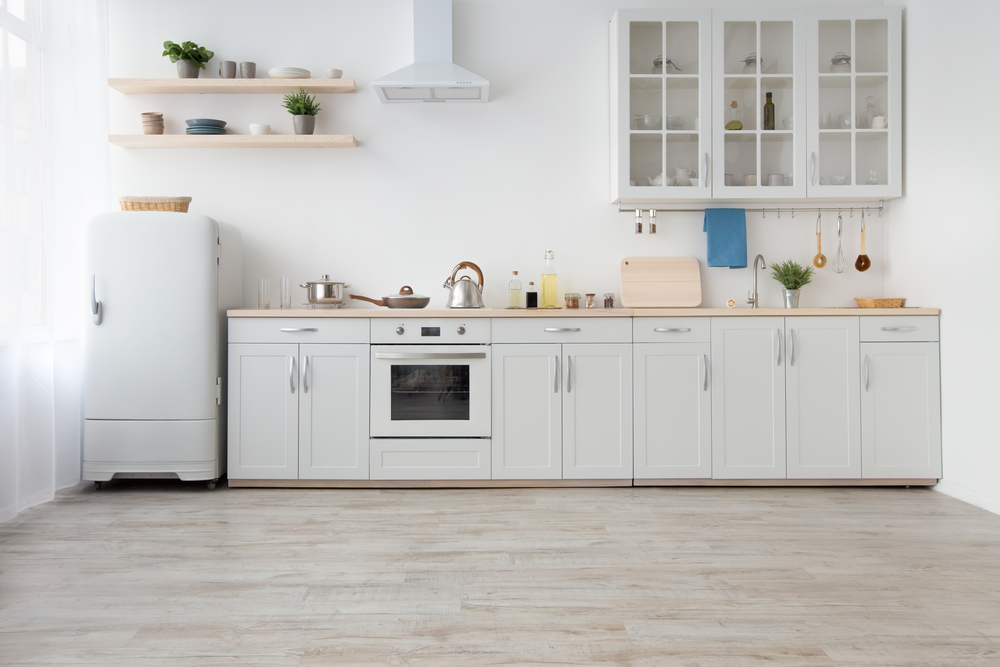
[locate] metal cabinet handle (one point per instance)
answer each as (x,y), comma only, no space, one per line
(298,329)
(777,345)
(560,329)
(704,382)
(291,374)
(95,306)
(707,170)
(791,347)
(868,373)
(672,329)
(814,170)
(430,355)
(899,328)
(569,373)
(305,371)
(555,387)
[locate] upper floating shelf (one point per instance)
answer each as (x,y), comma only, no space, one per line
(239,86)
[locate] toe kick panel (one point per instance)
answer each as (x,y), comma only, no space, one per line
(430,458)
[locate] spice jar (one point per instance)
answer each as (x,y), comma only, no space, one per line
(590,299)
(609,299)
(572,300)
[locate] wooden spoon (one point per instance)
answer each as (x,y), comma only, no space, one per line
(863,263)
(819,261)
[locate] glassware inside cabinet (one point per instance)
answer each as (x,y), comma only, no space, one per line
(872,152)
(646,159)
(776,47)
(874,87)
(646,44)
(834,39)
(680,55)
(783,96)
(646,103)
(834,101)
(744,92)
(741,158)
(682,104)
(682,160)
(834,157)
(740,38)
(776,159)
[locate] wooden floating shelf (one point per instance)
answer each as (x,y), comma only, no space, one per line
(241,86)
(233,141)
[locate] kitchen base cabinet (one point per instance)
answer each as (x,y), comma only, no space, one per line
(673,410)
(748,398)
(263,411)
(900,410)
(823,397)
(430,458)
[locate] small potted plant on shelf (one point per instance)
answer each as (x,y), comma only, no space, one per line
(303,108)
(792,277)
(190,58)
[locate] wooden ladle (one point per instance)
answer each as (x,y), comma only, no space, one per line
(819,261)
(862,263)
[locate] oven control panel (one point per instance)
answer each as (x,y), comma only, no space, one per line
(415,330)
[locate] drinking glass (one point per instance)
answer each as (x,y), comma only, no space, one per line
(871,178)
(286,292)
(263,290)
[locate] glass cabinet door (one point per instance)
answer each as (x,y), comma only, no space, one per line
(661,139)
(855,94)
(759,55)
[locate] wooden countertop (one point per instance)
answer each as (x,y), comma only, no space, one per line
(583,312)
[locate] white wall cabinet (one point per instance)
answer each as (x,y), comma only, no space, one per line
(901,410)
(748,398)
(823,397)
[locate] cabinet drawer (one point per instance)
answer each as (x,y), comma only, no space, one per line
(923,328)
(672,330)
(420,458)
(562,330)
(298,330)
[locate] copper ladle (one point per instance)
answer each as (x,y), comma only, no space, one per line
(863,263)
(819,261)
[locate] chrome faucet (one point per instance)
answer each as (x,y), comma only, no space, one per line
(752,297)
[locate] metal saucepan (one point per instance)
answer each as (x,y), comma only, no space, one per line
(324,291)
(405,299)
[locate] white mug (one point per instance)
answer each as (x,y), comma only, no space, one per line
(775,179)
(879,122)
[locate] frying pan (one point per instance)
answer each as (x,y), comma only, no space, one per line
(405,299)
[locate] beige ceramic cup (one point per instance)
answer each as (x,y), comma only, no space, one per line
(750,179)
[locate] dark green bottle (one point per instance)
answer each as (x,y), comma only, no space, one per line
(768,114)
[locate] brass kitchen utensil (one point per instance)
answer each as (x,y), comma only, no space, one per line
(863,263)
(840,262)
(819,261)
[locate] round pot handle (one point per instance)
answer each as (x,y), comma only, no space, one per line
(377,302)
(405,290)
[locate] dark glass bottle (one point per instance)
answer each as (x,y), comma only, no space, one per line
(531,297)
(768,114)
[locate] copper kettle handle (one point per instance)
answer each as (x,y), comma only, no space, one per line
(468,265)
(377,302)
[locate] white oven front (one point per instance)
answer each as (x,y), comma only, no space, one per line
(436,391)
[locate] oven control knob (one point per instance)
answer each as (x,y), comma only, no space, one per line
(461,331)
(400,330)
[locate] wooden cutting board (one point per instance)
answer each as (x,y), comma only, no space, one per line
(660,282)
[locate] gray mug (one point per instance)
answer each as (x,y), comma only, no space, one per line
(248,70)
(227,69)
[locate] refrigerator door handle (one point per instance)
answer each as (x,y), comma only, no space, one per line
(95,305)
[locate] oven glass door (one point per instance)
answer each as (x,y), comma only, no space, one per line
(430,390)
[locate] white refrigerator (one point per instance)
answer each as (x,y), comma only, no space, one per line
(155,344)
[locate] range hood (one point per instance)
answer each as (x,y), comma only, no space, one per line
(432,77)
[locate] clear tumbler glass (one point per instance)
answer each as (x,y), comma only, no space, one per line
(263,293)
(286,292)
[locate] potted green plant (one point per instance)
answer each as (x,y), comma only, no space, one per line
(303,108)
(792,277)
(190,58)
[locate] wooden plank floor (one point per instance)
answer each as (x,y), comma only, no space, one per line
(145,573)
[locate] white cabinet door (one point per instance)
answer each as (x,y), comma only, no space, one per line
(900,410)
(748,398)
(777,37)
(597,411)
(527,412)
(263,411)
(823,397)
(660,113)
(848,157)
(673,410)
(333,411)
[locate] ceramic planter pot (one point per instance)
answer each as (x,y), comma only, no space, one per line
(791,297)
(304,124)
(187,69)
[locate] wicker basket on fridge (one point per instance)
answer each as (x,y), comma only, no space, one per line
(175,204)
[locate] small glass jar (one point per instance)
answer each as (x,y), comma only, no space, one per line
(572,300)
(750,63)
(609,299)
(590,299)
(840,63)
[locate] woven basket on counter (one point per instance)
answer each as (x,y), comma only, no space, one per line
(880,303)
(176,204)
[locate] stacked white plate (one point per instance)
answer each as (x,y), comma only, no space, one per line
(288,73)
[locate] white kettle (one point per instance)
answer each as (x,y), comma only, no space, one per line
(464,292)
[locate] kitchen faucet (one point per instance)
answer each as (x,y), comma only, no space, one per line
(752,298)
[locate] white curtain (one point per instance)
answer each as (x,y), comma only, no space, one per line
(54,175)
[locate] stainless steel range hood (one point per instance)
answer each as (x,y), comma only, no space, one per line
(432,77)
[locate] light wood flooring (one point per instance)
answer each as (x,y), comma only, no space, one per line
(157,573)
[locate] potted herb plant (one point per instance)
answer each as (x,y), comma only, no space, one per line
(303,108)
(792,277)
(190,58)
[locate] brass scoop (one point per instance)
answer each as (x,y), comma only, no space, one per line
(819,261)
(863,263)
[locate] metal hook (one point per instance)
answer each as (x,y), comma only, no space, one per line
(793,214)
(819,222)
(763,214)
(862,220)
(881,205)
(852,211)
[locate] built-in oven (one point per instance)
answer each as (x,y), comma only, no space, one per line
(432,380)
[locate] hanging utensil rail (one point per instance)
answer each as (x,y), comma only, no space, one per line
(638,211)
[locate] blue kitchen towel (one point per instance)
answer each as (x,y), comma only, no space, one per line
(727,237)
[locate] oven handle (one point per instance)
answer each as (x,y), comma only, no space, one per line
(430,355)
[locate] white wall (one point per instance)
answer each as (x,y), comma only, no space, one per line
(942,237)
(429,186)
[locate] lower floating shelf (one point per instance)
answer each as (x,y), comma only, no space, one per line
(233,141)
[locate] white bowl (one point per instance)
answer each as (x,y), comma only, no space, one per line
(334,73)
(260,129)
